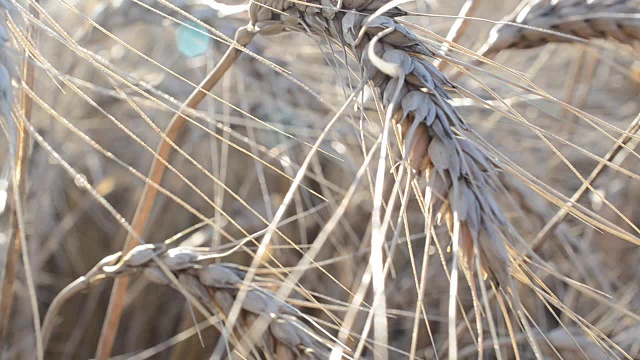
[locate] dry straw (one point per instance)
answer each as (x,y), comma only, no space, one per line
(10,239)
(539,22)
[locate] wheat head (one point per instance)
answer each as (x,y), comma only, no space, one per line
(460,176)
(215,286)
(566,21)
(415,94)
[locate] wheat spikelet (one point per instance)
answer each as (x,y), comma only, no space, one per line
(580,19)
(215,286)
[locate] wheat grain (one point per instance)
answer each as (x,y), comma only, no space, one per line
(567,21)
(215,286)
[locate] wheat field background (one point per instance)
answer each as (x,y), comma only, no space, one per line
(282,230)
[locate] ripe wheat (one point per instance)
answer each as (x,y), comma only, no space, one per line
(460,177)
(459,174)
(567,21)
(215,286)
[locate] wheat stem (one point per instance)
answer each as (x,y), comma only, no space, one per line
(173,130)
(19,144)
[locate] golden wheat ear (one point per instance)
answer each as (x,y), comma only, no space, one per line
(212,289)
(460,176)
(541,22)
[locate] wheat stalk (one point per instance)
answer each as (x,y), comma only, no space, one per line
(156,172)
(11,245)
(544,21)
(13,176)
(215,286)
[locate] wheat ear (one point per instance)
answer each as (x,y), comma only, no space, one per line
(215,287)
(460,175)
(542,21)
